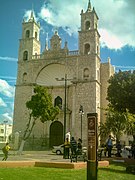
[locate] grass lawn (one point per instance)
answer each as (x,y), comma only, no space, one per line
(113,172)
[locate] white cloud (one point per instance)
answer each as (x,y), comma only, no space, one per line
(27,15)
(6,89)
(8,58)
(7,117)
(63,14)
(116,19)
(2,103)
(8,77)
(110,40)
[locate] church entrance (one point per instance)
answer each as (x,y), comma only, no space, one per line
(56,133)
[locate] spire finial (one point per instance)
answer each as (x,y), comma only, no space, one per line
(32,14)
(89,6)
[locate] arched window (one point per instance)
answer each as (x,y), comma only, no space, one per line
(97,49)
(36,35)
(25,55)
(95,25)
(87,49)
(86,73)
(27,34)
(87,25)
(24,77)
(58,102)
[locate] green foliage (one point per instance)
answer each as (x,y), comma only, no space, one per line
(121,91)
(41,108)
(41,105)
(130,126)
(115,124)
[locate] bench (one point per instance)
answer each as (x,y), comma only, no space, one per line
(99,154)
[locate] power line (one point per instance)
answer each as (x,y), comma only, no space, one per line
(124,67)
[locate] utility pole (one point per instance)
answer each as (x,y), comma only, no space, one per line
(65,79)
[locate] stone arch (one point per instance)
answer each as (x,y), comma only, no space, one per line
(87,48)
(25,55)
(56,133)
(48,75)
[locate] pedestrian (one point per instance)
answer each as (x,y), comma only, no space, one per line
(109,146)
(133,150)
(105,150)
(5,150)
(73,144)
(67,146)
(79,146)
(118,146)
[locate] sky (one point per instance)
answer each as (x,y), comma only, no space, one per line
(116,27)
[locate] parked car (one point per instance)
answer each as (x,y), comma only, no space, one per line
(58,149)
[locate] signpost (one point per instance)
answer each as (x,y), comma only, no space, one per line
(92,146)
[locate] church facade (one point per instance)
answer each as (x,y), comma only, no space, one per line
(80,73)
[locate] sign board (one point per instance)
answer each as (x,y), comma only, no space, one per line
(92,146)
(92,138)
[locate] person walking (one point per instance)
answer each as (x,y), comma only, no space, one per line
(67,146)
(118,146)
(73,146)
(79,146)
(5,150)
(109,146)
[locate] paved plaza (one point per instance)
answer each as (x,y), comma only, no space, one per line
(34,156)
(42,159)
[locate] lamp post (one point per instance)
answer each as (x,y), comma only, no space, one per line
(82,113)
(5,131)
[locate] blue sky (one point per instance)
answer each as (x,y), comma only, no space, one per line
(116,27)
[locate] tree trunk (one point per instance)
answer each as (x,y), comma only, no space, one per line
(21,147)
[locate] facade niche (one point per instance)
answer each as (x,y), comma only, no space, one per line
(87,49)
(24,77)
(25,55)
(87,25)
(86,73)
(58,102)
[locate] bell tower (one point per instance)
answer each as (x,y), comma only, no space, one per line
(29,44)
(89,35)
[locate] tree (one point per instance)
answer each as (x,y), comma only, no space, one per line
(121,91)
(115,124)
(41,108)
(130,126)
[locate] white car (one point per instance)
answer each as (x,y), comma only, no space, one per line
(58,149)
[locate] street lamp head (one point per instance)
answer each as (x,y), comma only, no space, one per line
(81,109)
(5,121)
(60,79)
(57,79)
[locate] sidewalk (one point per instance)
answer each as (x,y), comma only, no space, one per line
(34,156)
